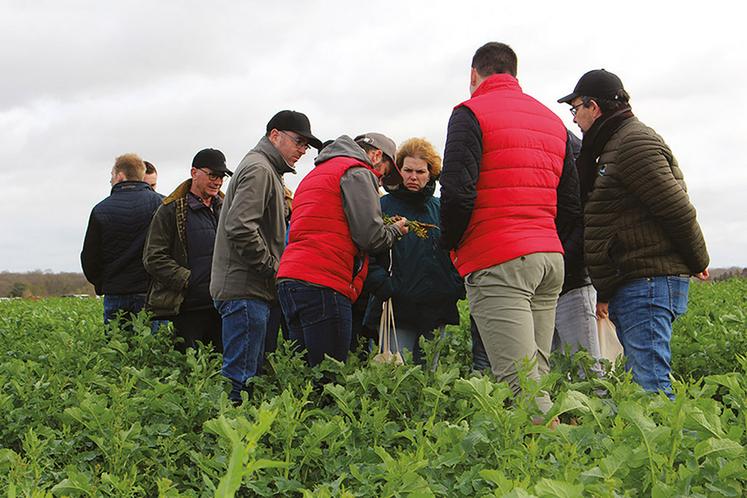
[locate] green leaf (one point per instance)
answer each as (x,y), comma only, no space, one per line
(707,421)
(76,482)
(518,493)
(721,447)
(559,489)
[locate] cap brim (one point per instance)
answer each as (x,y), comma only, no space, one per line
(221,170)
(393,178)
(567,99)
(313,141)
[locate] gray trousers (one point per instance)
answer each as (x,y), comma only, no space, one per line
(576,324)
(513,305)
(576,321)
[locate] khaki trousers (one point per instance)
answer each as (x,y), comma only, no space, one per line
(513,305)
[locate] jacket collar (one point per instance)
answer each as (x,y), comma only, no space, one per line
(401,192)
(182,190)
(130,185)
(265,147)
(497,82)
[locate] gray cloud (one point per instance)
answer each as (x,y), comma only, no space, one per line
(87,81)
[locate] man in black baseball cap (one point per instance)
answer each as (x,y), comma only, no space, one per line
(295,122)
(597,92)
(641,236)
(178,253)
(249,242)
(597,83)
(211,159)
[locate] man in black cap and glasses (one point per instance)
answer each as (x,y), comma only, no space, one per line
(249,242)
(642,240)
(178,253)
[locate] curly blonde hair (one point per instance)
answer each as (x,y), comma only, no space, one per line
(423,149)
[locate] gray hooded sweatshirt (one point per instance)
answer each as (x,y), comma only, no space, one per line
(360,198)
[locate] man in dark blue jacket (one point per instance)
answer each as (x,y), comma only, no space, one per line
(113,246)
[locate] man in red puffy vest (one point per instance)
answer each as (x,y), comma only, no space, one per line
(336,223)
(503,166)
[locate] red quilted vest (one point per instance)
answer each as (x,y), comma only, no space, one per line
(320,249)
(522,160)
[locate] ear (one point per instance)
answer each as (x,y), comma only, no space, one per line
(274,136)
(119,177)
(596,110)
(193,173)
(474,79)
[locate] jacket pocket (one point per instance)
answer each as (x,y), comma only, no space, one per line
(163,300)
(615,250)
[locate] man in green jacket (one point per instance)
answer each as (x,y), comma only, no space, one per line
(178,253)
(249,242)
(642,240)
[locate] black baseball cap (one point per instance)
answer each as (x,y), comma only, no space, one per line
(212,159)
(296,122)
(598,83)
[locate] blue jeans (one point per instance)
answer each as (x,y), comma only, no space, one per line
(643,311)
(275,324)
(319,319)
(156,324)
(125,303)
(244,329)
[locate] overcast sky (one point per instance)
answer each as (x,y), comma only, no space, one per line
(83,82)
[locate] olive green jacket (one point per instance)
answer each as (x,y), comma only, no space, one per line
(165,254)
(639,221)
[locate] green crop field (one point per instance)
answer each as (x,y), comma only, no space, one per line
(89,411)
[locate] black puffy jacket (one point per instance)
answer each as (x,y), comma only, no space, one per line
(113,247)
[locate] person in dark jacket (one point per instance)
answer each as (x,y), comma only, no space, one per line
(575,315)
(178,253)
(113,246)
(642,240)
(416,274)
(151,176)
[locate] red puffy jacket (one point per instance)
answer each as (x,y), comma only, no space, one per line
(522,160)
(320,248)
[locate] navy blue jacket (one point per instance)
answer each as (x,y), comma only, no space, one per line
(424,285)
(201,226)
(113,247)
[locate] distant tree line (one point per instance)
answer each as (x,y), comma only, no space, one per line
(47,284)
(43,284)
(719,274)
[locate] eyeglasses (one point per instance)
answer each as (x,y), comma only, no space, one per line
(574,108)
(213,176)
(300,142)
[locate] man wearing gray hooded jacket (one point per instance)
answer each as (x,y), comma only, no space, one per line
(249,242)
(336,223)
